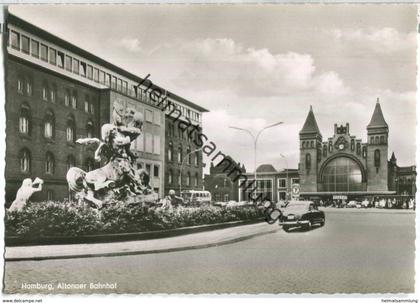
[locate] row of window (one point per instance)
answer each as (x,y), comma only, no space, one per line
(180,158)
(148,143)
(73,65)
(176,132)
(282,183)
(25,162)
(378,139)
(25,125)
(49,93)
(174,177)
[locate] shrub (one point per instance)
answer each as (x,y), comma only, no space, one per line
(55,218)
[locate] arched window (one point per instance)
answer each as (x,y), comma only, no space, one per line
(189,155)
(170,176)
(45,91)
(324,150)
(342,174)
(364,153)
(86,103)
(70,129)
(71,161)
(25,161)
(179,154)
(197,158)
(312,144)
(170,151)
(358,148)
(74,100)
(196,179)
(382,140)
(49,163)
(67,98)
(372,140)
(308,161)
(49,122)
(188,178)
(53,93)
(89,129)
(376,140)
(330,147)
(28,86)
(377,157)
(24,120)
(20,85)
(352,145)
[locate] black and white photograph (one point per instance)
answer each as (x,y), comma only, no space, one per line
(209,149)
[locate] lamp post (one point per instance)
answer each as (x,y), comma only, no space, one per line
(287,177)
(182,166)
(255,139)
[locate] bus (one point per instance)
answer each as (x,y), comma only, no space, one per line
(196,197)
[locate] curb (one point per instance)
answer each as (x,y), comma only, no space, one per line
(368,210)
(121,237)
(144,252)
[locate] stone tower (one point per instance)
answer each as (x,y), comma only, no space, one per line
(310,150)
(377,151)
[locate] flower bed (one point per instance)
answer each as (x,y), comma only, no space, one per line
(45,219)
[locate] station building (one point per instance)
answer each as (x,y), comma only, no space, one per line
(56,93)
(343,167)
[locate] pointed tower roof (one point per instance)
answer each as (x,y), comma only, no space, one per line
(310,126)
(393,158)
(377,120)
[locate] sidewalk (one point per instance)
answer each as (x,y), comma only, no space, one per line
(186,242)
(368,210)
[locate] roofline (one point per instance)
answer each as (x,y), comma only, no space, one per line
(13,19)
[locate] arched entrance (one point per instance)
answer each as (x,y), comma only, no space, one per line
(342,174)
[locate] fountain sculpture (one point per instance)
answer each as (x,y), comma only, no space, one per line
(118,179)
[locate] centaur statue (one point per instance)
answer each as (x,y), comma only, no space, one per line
(118,179)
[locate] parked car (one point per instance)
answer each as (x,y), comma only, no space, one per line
(352,204)
(365,204)
(301,214)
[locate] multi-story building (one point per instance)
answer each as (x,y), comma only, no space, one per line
(221,182)
(184,159)
(272,185)
(56,93)
(343,167)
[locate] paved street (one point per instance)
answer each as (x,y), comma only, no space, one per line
(357,251)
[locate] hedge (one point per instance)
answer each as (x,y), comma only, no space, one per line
(67,219)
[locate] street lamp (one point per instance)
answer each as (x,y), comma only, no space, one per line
(182,166)
(287,177)
(255,139)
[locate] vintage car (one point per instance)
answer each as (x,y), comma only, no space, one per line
(351,204)
(301,214)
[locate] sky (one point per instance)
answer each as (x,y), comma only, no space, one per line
(255,65)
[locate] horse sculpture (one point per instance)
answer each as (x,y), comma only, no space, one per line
(118,179)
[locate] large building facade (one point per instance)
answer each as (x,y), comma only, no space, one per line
(184,159)
(222,182)
(343,166)
(57,93)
